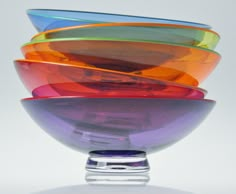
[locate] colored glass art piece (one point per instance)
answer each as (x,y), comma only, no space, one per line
(114,86)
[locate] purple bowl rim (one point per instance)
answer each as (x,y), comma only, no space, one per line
(115,97)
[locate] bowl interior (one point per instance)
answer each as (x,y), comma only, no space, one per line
(153,60)
(151,32)
(54,79)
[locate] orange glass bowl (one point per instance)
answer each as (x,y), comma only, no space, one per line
(54,79)
(171,62)
(152,32)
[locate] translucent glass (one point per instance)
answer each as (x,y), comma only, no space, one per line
(54,79)
(170,62)
(45,19)
(117,179)
(91,124)
(117,160)
(137,31)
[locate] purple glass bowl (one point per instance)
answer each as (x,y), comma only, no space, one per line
(113,126)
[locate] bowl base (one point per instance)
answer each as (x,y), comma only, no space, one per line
(117,161)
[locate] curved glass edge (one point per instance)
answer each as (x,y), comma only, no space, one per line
(73,15)
(128,24)
(117,97)
(121,40)
(139,32)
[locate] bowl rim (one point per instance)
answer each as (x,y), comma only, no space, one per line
(119,40)
(33,12)
(125,24)
(115,97)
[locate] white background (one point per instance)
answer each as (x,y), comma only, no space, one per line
(204,162)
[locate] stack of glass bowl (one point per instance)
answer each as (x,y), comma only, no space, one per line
(116,86)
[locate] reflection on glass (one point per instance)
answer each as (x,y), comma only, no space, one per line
(111,189)
(117,178)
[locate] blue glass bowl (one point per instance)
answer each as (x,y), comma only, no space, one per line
(46,19)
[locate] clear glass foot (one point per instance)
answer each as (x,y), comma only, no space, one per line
(117,161)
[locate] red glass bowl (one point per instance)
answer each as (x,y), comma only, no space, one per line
(54,79)
(171,62)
